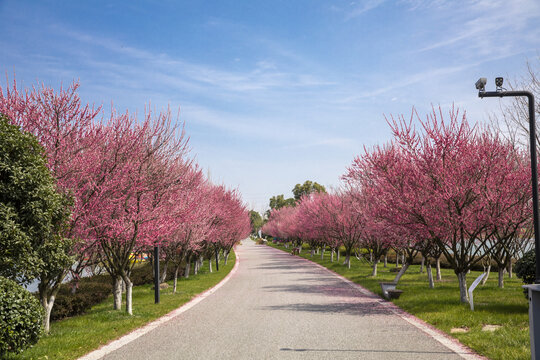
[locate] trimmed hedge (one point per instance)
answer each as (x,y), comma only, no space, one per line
(21,317)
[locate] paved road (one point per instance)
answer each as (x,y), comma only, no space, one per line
(281,307)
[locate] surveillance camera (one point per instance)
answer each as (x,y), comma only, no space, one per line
(499,82)
(481,84)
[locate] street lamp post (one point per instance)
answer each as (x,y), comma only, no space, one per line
(534,289)
(156,274)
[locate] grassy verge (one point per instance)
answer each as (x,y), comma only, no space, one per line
(76,336)
(441,308)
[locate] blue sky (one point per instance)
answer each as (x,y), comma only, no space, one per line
(273,93)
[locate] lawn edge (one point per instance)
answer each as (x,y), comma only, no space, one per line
(446,340)
(131,336)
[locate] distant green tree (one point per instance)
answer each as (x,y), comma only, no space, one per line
(256,221)
(279,201)
(306,188)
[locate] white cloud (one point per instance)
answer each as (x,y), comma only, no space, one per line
(363,7)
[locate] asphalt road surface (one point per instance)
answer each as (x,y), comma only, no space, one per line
(277,306)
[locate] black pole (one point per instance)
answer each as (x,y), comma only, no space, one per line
(534,166)
(156,274)
(217,260)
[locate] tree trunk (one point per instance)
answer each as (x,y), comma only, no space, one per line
(186,270)
(385,260)
(47,306)
(338,251)
(348,260)
(501,277)
(439,276)
(210,264)
(196,267)
(370,256)
(488,271)
(217,260)
(422,265)
(226,256)
(463,295)
(163,276)
(510,274)
(129,295)
(374,271)
(322,254)
(430,275)
(312,252)
(117,292)
(332,256)
(401,272)
(397,259)
(317,251)
(175,278)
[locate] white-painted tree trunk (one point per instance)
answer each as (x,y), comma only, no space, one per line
(117,293)
(175,279)
(322,254)
(332,256)
(439,276)
(129,295)
(338,254)
(385,260)
(312,252)
(186,270)
(163,275)
(374,271)
(422,265)
(485,278)
(47,306)
(430,275)
(501,277)
(210,264)
(401,272)
(463,295)
(510,272)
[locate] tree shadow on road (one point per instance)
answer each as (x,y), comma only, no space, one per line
(336,289)
(364,308)
(449,352)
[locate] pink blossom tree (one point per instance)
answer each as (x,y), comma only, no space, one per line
(450,174)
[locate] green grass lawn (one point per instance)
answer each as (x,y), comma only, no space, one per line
(73,337)
(441,308)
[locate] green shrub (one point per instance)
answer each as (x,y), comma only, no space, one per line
(91,291)
(21,318)
(525,267)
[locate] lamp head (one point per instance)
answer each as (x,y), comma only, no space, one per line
(499,83)
(481,84)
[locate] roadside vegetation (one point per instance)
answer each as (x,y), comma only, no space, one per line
(73,337)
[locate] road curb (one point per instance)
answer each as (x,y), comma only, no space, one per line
(451,343)
(126,339)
